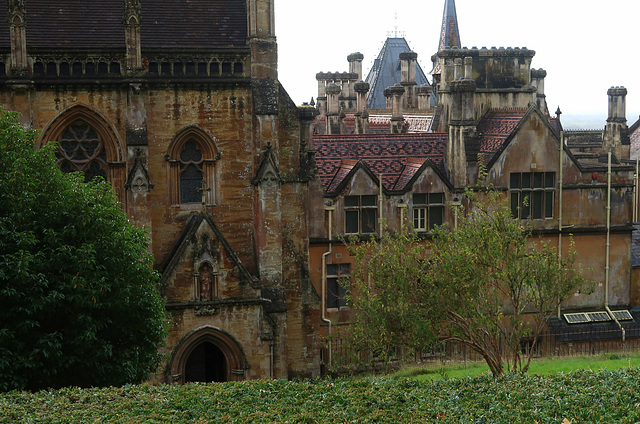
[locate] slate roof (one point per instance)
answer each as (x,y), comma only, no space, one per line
(63,24)
(494,129)
(385,72)
(81,24)
(396,156)
(193,23)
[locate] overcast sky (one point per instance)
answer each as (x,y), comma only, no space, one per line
(585,47)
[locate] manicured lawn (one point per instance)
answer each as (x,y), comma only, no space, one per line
(547,366)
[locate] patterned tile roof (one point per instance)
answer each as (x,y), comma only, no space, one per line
(396,156)
(495,128)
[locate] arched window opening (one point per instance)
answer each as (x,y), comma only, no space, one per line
(3,69)
(114,68)
(52,69)
(191,175)
(65,70)
(103,68)
(202,68)
(177,68)
(153,68)
(191,68)
(226,67)
(90,68)
(214,69)
(77,68)
(165,67)
(192,157)
(237,68)
(38,68)
(81,150)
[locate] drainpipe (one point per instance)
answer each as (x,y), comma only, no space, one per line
(560,177)
(635,195)
(402,207)
(607,248)
(380,205)
(323,295)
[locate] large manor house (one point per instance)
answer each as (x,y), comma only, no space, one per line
(246,195)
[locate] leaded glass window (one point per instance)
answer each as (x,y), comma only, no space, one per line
(191,175)
(81,150)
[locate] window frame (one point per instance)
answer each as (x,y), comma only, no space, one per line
(357,207)
(207,165)
(426,206)
(532,195)
(336,292)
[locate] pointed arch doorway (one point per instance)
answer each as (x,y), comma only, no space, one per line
(207,355)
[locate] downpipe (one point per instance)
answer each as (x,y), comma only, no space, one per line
(323,296)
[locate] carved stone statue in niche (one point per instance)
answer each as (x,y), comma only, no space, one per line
(206,282)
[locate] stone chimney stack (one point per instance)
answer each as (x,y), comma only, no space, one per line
(424,97)
(355,64)
(462,129)
(616,132)
(537,81)
(457,69)
(362,116)
(468,67)
(408,78)
(333,109)
(397,112)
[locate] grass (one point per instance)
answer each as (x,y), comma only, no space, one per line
(545,366)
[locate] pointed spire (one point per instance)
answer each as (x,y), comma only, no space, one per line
(449,36)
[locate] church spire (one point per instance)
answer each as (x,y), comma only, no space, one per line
(449,35)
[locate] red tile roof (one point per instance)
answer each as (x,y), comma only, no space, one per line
(494,129)
(395,156)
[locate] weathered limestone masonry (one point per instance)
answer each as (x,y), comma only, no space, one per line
(178,105)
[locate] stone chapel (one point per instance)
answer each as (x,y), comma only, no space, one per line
(178,105)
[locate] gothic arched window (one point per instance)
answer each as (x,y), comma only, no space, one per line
(80,149)
(192,157)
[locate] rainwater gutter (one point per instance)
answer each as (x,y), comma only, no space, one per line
(607,248)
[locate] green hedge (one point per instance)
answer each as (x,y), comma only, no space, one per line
(580,397)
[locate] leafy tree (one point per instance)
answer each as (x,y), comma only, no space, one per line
(78,298)
(488,273)
(487,283)
(389,294)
